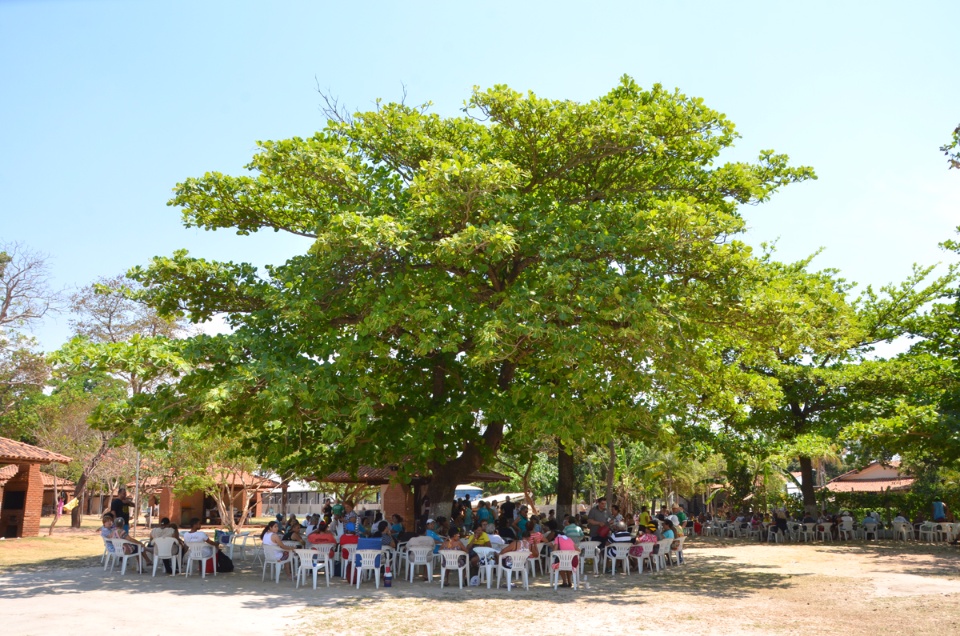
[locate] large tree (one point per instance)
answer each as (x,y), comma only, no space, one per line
(120,339)
(835,383)
(26,296)
(533,264)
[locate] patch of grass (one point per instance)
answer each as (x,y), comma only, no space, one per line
(60,550)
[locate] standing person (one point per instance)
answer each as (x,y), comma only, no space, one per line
(484,514)
(468,513)
(120,507)
(507,509)
(940,511)
(598,520)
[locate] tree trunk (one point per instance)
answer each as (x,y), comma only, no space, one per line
(807,486)
(565,481)
(77,514)
(446,476)
(611,472)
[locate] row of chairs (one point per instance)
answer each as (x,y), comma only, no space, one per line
(165,548)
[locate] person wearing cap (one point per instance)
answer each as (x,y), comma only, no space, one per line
(432,533)
(647,534)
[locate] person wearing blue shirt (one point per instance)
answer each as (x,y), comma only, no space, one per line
(437,539)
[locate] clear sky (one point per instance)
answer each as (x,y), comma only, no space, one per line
(107,105)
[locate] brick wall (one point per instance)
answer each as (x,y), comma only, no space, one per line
(398,499)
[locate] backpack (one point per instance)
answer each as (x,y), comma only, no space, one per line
(224,563)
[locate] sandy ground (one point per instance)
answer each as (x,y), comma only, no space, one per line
(729,587)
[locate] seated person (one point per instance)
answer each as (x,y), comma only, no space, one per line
(293,532)
(563,542)
(385,534)
(273,545)
(196,535)
(322,535)
(111,530)
(396,525)
(453,542)
(430,532)
(522,544)
(646,534)
(619,535)
(165,531)
(571,528)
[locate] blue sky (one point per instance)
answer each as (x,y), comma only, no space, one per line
(107,105)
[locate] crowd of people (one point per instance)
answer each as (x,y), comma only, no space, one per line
(508,527)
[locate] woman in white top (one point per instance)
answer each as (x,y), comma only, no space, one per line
(271,540)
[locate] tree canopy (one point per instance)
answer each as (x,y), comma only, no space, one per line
(534,265)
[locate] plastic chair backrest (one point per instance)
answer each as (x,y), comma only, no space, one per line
(450,559)
(565,559)
(485,554)
(419,554)
(590,549)
(271,552)
(163,547)
(368,559)
(518,560)
(663,546)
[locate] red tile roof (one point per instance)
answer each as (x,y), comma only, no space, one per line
(62,484)
(870,485)
(859,480)
(7,473)
(19,453)
(236,479)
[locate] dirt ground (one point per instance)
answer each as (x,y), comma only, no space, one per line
(726,587)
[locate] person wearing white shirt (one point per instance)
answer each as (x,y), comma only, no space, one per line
(196,535)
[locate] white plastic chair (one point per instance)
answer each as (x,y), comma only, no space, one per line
(274,557)
(902,531)
(367,561)
(662,555)
(518,566)
(809,532)
(202,552)
(590,550)
(617,553)
(418,556)
(845,530)
(450,562)
(678,551)
(389,558)
(534,563)
(927,532)
(869,529)
(166,548)
(107,551)
(563,562)
(313,561)
(109,555)
(488,561)
(823,532)
(347,553)
(645,555)
(118,553)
